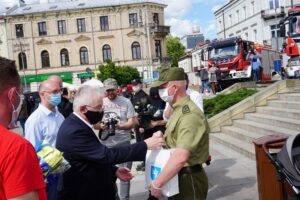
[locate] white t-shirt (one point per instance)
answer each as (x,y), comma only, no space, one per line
(195,96)
(123,109)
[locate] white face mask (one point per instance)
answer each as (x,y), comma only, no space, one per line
(136,88)
(164,95)
(16,112)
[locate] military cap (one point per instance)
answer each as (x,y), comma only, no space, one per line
(110,84)
(169,74)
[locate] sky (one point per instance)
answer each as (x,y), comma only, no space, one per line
(181,15)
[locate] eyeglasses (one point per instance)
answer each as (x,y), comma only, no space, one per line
(60,91)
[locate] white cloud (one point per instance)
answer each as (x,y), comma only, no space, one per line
(177,10)
(181,27)
(210,29)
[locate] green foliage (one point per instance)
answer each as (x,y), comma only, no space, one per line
(123,74)
(175,50)
(219,103)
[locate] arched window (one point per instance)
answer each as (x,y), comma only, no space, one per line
(136,51)
(64,57)
(84,56)
(45,59)
(106,50)
(22,61)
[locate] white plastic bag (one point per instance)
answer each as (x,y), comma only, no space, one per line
(155,162)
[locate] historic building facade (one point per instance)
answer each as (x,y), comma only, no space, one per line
(72,38)
(255,20)
(3,40)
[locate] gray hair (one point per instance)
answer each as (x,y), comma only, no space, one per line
(85,95)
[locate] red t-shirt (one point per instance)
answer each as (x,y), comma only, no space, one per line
(20,172)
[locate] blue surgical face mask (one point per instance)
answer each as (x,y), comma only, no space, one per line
(55,99)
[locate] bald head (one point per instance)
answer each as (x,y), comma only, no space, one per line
(56,79)
(46,89)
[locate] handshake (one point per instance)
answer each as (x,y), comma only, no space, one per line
(156,141)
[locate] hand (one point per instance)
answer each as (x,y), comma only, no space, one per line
(152,124)
(100,126)
(119,127)
(124,174)
(156,141)
(155,191)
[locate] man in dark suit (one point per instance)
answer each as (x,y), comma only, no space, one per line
(92,174)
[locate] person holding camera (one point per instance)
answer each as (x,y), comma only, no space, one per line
(117,122)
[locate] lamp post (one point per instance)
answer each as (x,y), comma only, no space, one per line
(22,61)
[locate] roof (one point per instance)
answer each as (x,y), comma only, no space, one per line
(74,5)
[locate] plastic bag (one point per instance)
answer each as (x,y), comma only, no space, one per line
(51,159)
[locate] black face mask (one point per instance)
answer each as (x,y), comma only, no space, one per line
(94,117)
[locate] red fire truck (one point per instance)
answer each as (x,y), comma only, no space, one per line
(230,57)
(291,44)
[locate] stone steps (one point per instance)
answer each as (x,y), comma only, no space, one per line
(240,146)
(280,116)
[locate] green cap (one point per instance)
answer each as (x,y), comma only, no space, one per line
(169,74)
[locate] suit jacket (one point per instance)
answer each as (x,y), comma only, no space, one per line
(92,172)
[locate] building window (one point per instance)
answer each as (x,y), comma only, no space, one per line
(237,16)
(64,57)
(62,29)
(230,20)
(275,32)
(245,12)
(42,28)
(155,18)
(253,7)
(274,4)
(157,49)
(19,30)
(106,51)
(84,56)
(220,25)
(22,61)
(45,59)
(133,19)
(255,35)
(104,23)
(136,51)
(81,25)
(246,36)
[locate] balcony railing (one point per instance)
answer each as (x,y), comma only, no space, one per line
(160,30)
(272,13)
(163,60)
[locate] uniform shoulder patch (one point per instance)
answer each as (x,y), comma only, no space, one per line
(186,109)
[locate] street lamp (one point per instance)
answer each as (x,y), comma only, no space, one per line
(22,61)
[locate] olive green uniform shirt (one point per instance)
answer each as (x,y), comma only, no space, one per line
(188,129)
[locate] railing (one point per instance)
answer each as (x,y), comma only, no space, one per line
(157,29)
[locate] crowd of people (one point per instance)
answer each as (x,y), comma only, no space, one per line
(93,127)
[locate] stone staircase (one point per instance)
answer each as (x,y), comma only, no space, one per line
(279,114)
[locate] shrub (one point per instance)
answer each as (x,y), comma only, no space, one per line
(220,103)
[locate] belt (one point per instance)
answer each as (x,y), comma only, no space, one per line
(191,169)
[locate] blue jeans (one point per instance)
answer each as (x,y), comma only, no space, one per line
(204,85)
(256,74)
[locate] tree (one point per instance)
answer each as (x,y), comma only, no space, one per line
(175,50)
(122,74)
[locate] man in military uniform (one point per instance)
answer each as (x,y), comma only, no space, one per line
(187,132)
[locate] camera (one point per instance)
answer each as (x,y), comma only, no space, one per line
(110,119)
(146,113)
(111,124)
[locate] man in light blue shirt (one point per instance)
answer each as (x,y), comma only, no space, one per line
(45,121)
